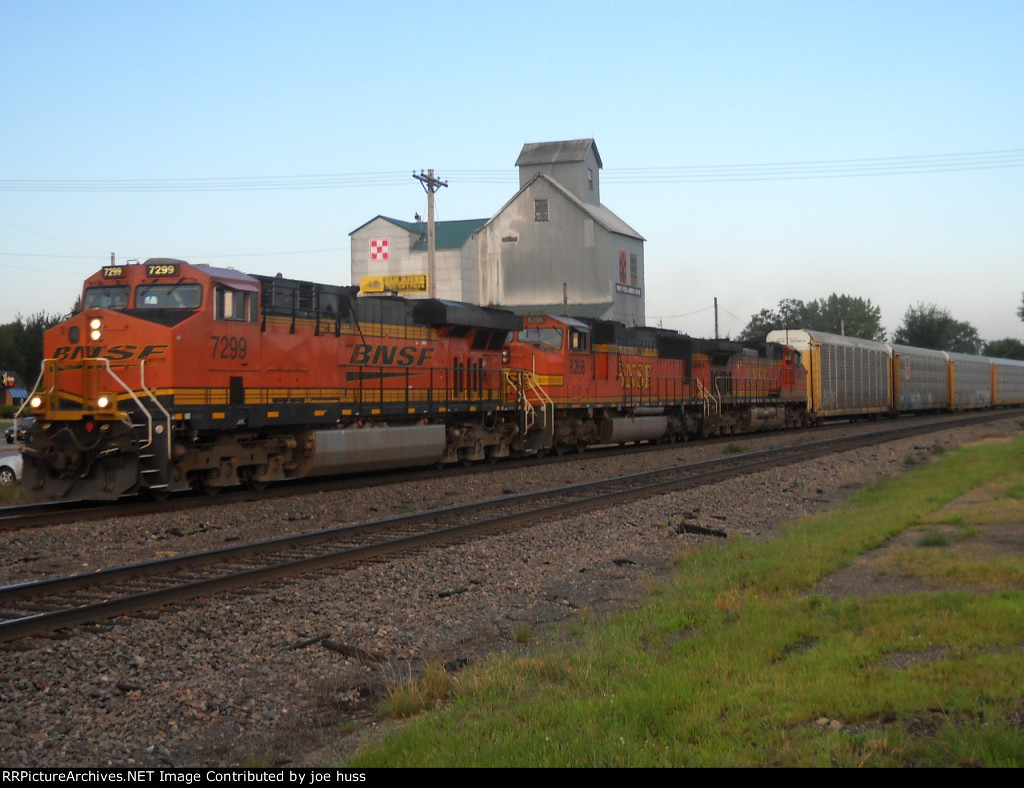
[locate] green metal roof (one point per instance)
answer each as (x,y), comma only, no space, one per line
(447,235)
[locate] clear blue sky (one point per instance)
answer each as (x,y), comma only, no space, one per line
(126,95)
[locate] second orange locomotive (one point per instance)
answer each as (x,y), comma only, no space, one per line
(588,382)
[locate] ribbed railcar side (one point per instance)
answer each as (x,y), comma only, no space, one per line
(920,379)
(846,376)
(1008,382)
(970,381)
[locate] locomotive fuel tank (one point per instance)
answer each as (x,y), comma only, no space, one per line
(765,418)
(354,450)
(625,429)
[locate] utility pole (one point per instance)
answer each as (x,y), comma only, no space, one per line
(716,317)
(430,185)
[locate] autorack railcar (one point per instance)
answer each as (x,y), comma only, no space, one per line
(849,377)
(1008,385)
(846,376)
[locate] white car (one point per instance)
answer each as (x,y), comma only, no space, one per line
(10,469)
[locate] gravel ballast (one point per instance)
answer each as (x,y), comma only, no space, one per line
(267,676)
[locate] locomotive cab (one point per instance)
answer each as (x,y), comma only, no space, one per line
(548,363)
(104,400)
(556,350)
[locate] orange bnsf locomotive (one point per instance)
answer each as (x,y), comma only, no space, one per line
(595,382)
(176,376)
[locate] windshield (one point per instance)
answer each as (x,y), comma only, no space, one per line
(106,297)
(544,338)
(168,296)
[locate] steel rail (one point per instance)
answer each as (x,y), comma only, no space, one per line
(572,500)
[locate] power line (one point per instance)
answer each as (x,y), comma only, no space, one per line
(830,168)
(258,183)
(684,314)
(724,173)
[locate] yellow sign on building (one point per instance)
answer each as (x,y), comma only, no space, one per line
(397,283)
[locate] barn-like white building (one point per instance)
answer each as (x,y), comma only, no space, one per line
(553,247)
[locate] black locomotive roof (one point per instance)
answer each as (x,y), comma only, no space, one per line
(394,310)
(668,344)
(437,312)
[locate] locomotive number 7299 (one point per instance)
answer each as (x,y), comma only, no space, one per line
(229,347)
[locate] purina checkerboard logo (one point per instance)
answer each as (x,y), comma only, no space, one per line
(379,248)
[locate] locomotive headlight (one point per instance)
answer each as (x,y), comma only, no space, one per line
(103,401)
(95,329)
(36,402)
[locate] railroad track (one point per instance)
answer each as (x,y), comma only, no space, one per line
(43,606)
(13,518)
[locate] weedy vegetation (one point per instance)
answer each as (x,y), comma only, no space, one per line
(742,659)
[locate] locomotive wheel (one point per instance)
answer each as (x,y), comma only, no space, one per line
(202,484)
(156,494)
(251,483)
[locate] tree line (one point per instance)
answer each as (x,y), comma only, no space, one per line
(924,325)
(21,345)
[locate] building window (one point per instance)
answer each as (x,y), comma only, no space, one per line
(540,210)
(590,178)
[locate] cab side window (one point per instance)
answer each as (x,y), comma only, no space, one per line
(235,305)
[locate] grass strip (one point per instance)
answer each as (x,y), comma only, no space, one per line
(740,661)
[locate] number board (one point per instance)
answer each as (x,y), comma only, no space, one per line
(161,269)
(113,271)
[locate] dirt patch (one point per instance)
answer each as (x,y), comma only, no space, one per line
(985,524)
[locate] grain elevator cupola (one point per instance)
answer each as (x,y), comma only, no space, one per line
(575,164)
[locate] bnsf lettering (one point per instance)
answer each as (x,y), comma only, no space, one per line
(78,351)
(115,353)
(635,376)
(152,350)
(384,355)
